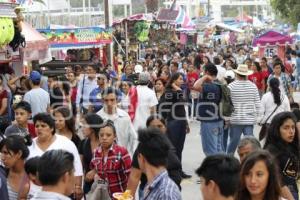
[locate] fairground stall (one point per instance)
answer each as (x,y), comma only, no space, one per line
(75,46)
(20,45)
(272,43)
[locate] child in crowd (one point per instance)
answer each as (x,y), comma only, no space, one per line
(23,126)
(31,166)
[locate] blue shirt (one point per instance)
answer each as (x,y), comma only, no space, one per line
(162,188)
(208,102)
(298,65)
(96,99)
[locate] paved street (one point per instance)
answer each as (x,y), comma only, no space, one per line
(193,156)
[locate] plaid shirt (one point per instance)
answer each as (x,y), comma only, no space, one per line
(115,170)
(162,188)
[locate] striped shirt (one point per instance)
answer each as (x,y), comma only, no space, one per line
(162,188)
(246,102)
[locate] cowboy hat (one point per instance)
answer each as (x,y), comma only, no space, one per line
(243,70)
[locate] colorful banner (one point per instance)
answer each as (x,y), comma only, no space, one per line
(77,37)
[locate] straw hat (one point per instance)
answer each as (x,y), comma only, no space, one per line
(243,70)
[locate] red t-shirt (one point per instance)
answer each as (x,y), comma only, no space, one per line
(73,94)
(3,95)
(257,79)
(265,74)
(31,129)
(192,77)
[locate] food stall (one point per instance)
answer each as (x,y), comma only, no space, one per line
(272,43)
(77,44)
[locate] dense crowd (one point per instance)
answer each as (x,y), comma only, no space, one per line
(96,131)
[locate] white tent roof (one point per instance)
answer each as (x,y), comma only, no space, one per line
(231,28)
(49,5)
(257,23)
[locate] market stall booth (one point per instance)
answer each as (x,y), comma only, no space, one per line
(272,43)
(20,44)
(36,49)
(76,45)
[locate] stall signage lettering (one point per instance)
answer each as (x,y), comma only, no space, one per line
(270,51)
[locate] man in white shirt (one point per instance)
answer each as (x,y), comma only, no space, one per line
(37,97)
(85,86)
(221,69)
(126,135)
(146,103)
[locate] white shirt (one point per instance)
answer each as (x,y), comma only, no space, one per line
(60,142)
(43,195)
(126,135)
(146,100)
(38,99)
(88,86)
(267,106)
(221,73)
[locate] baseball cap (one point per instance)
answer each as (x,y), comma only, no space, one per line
(35,76)
(138,68)
(229,74)
(144,77)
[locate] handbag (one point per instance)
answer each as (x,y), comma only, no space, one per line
(99,191)
(265,126)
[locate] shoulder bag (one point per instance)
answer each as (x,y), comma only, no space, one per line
(265,126)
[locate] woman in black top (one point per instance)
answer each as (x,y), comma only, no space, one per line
(172,108)
(283,142)
(91,126)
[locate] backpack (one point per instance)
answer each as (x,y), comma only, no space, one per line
(226,106)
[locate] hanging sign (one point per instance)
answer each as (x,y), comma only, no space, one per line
(77,37)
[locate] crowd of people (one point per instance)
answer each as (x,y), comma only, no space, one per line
(96,131)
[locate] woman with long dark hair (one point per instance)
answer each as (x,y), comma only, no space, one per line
(274,99)
(283,143)
(91,125)
(65,124)
(259,179)
(14,152)
(172,108)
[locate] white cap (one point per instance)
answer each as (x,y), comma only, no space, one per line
(229,74)
(138,69)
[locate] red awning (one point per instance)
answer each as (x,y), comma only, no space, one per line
(244,18)
(34,40)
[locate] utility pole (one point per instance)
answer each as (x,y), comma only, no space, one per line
(108,24)
(208,9)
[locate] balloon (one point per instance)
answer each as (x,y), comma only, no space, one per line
(11,30)
(2,31)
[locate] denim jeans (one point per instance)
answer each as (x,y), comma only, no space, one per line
(212,137)
(225,138)
(235,133)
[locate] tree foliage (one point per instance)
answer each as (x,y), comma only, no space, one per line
(288,10)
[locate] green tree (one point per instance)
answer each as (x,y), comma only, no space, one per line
(288,10)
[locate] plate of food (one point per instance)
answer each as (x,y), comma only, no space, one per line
(123,195)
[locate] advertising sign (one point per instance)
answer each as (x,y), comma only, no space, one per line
(77,37)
